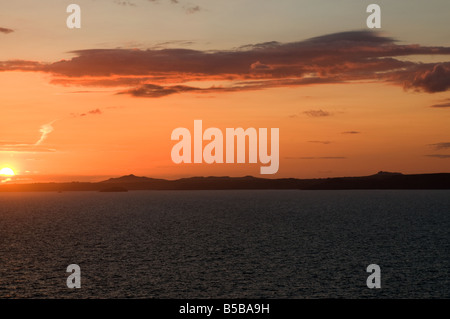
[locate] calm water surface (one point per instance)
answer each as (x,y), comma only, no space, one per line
(225,244)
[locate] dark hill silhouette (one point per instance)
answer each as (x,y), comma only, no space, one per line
(381,180)
(382,173)
(131,179)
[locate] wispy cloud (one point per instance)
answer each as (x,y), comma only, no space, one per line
(351,132)
(6,30)
(95,112)
(192,9)
(152,90)
(167,44)
(317,113)
(91,112)
(36,147)
(441,146)
(441,156)
(125,3)
(25,148)
(259,66)
(188,8)
(45,130)
(443,104)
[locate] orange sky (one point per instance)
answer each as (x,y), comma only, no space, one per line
(346,104)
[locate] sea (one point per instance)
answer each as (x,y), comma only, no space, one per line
(268,244)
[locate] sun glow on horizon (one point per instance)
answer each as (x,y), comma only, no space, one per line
(6,171)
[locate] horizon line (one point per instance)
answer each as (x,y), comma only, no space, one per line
(113,177)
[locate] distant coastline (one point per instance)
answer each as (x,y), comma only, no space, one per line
(381,180)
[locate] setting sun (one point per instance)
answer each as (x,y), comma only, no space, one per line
(7,171)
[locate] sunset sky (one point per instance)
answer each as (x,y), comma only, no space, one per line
(101,101)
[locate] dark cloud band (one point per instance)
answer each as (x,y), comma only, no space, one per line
(335,58)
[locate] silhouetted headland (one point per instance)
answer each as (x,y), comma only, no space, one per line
(381,180)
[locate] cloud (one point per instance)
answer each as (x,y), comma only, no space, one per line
(189,9)
(343,57)
(91,112)
(351,132)
(125,3)
(6,30)
(433,80)
(112,81)
(166,44)
(45,130)
(24,148)
(441,156)
(441,105)
(317,113)
(171,1)
(152,90)
(21,65)
(440,146)
(258,66)
(445,103)
(192,9)
(96,111)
